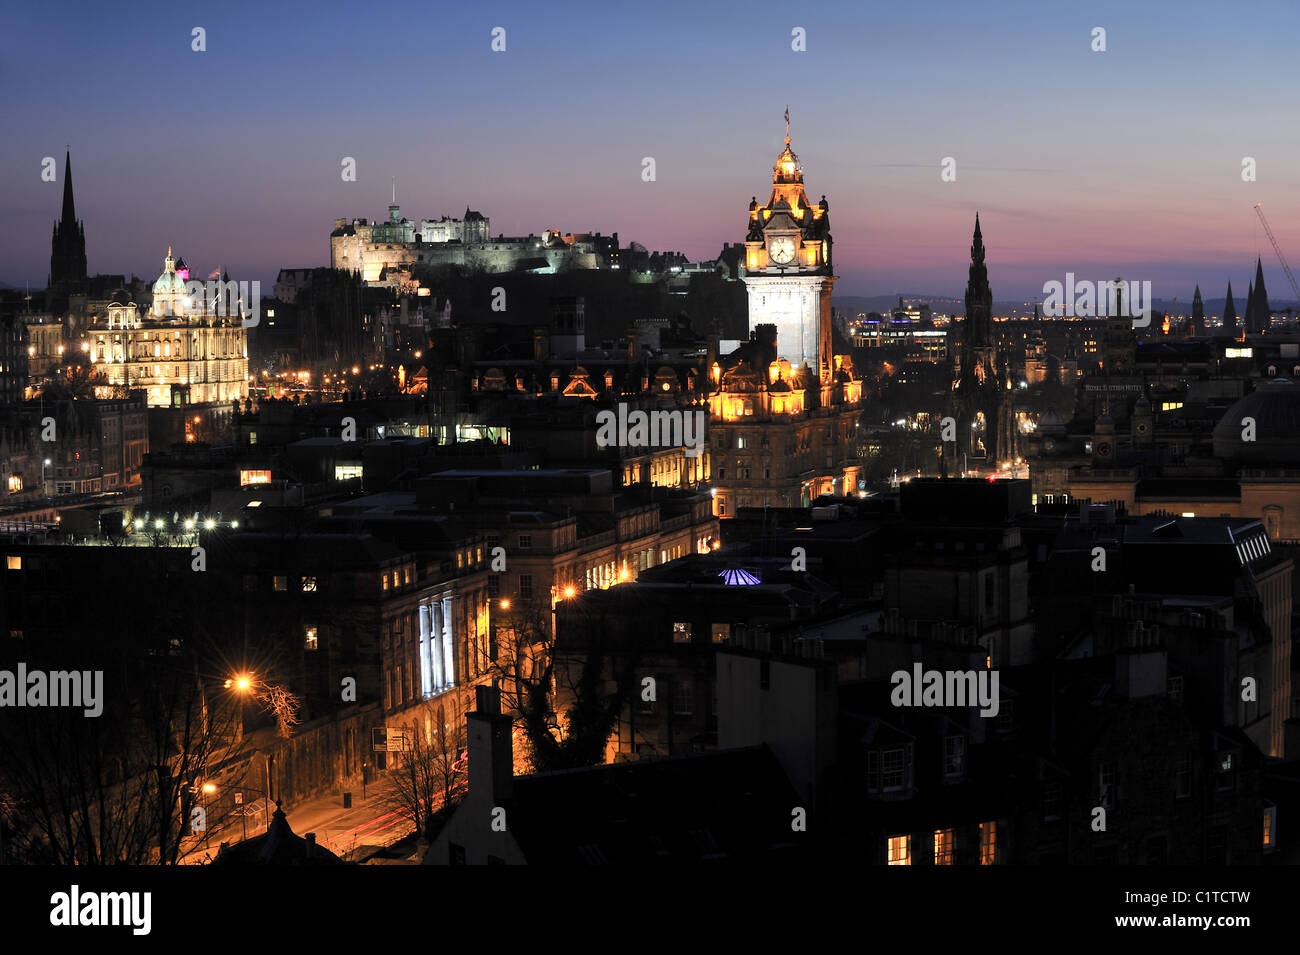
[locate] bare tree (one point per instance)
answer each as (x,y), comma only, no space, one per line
(432,772)
(123,787)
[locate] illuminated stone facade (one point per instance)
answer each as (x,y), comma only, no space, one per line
(374,248)
(783,408)
(769,448)
(180,352)
(788,272)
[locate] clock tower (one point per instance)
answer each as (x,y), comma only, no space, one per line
(788,273)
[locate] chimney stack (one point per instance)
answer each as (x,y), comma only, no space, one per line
(491,754)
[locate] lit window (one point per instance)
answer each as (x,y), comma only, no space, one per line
(309,585)
(681,632)
(280,583)
(1270,827)
(247,477)
(14,562)
(342,472)
(311,641)
(943,847)
(988,843)
(15,483)
(721,632)
(900,850)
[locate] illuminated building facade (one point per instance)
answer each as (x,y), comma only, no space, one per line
(180,352)
(788,273)
(376,248)
(783,408)
(768,446)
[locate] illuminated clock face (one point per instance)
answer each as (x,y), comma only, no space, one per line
(783,251)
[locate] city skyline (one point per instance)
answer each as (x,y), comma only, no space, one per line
(1070,200)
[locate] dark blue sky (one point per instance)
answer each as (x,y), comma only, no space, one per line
(1124,162)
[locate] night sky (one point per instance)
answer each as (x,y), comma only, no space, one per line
(1124,162)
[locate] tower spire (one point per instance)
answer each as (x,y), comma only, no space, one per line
(787,124)
(68,243)
(69,204)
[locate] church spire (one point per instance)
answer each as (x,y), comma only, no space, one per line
(1260,308)
(1229,310)
(69,205)
(68,244)
(1197,327)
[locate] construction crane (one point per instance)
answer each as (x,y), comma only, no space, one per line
(1278,249)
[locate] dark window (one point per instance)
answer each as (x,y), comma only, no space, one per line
(1183,776)
(455,854)
(1226,773)
(1051,801)
(1216,846)
(1157,850)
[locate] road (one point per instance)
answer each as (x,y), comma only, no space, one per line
(371,823)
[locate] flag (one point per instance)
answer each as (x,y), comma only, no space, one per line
(215,274)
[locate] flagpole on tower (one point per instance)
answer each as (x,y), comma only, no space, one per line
(787,125)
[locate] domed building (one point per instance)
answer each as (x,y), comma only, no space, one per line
(183,351)
(1262,428)
(169,293)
